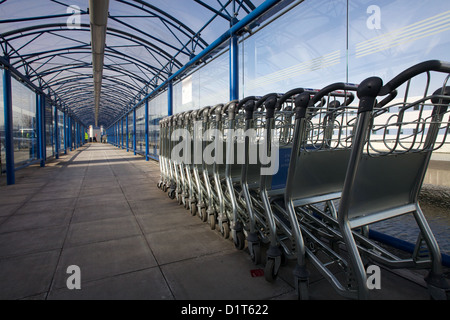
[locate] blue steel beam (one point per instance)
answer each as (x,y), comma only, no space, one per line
(8,115)
(134,131)
(146,131)
(56,134)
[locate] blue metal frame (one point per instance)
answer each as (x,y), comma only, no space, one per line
(234,68)
(146,131)
(134,131)
(56,133)
(127,133)
(8,113)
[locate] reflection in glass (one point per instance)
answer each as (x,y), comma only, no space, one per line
(24,124)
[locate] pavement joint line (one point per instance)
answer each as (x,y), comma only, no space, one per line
(52,281)
(145,238)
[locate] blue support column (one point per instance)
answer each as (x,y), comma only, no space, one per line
(8,113)
(146,131)
(38,128)
(234,68)
(170,98)
(70,133)
(66,143)
(134,131)
(121,133)
(127,132)
(77,136)
(56,133)
(41,128)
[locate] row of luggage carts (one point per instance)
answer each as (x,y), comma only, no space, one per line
(305,174)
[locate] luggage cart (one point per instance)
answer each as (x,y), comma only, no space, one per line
(260,114)
(179,121)
(224,118)
(200,118)
(213,140)
(321,147)
(382,178)
(387,165)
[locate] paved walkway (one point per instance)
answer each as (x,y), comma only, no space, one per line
(99,208)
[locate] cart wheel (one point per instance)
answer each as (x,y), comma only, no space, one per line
(302,289)
(159,184)
(239,242)
(255,255)
(225,230)
(203,215)
(212,221)
(193,209)
(164,188)
(171,194)
(269,270)
(186,204)
(179,199)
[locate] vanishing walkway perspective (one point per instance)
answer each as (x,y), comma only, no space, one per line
(98,208)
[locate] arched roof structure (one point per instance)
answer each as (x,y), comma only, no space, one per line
(50,44)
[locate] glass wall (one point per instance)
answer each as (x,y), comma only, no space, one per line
(140,129)
(130,131)
(319,42)
(61,131)
(24,123)
(306,47)
(2,128)
(157,109)
(49,129)
(208,85)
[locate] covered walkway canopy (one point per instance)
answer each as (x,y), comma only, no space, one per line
(94,61)
(53,46)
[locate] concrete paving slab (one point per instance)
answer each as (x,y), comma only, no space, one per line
(162,221)
(8,209)
(31,241)
(99,199)
(187,242)
(18,222)
(56,205)
(101,230)
(222,276)
(105,259)
(105,210)
(146,284)
(93,190)
(27,275)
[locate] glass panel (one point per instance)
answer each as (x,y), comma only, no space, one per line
(157,109)
(306,47)
(140,129)
(2,128)
(24,123)
(208,85)
(130,131)
(61,131)
(384,43)
(49,131)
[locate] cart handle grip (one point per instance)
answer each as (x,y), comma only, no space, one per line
(430,65)
(333,87)
(270,104)
(263,99)
(288,95)
(367,92)
(301,105)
